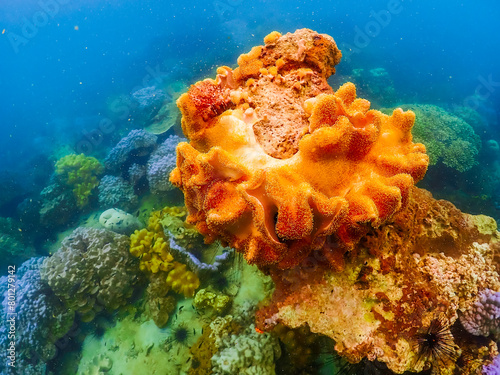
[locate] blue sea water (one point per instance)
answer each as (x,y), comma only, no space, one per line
(66,65)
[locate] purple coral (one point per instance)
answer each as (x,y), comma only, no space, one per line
(493,368)
(161,163)
(134,148)
(483,318)
(41,320)
(115,192)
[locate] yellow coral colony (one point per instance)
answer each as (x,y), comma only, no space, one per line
(151,247)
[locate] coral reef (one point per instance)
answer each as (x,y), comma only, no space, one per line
(161,164)
(207,300)
(57,207)
(483,317)
(41,319)
(152,251)
(182,280)
(135,148)
(167,117)
(375,84)
(279,181)
(493,368)
(432,260)
(81,173)
(119,221)
(92,271)
(448,138)
(116,192)
(249,353)
(159,303)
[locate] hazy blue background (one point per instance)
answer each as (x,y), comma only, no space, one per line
(59,80)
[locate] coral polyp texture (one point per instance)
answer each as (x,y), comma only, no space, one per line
(279,164)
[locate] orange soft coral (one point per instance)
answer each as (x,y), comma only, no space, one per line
(283,165)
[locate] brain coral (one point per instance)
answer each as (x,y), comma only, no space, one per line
(279,164)
(92,270)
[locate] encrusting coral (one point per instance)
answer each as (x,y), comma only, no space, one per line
(81,173)
(279,164)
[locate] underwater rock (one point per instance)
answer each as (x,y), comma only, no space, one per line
(161,163)
(279,165)
(92,270)
(119,221)
(116,192)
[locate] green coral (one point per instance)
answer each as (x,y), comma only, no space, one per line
(81,173)
(448,138)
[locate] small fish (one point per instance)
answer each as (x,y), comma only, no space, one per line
(194,331)
(3,31)
(188,359)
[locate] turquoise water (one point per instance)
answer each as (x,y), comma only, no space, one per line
(78,76)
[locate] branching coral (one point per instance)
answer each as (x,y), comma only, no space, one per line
(81,173)
(279,165)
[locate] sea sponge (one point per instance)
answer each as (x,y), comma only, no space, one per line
(313,173)
(182,280)
(81,173)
